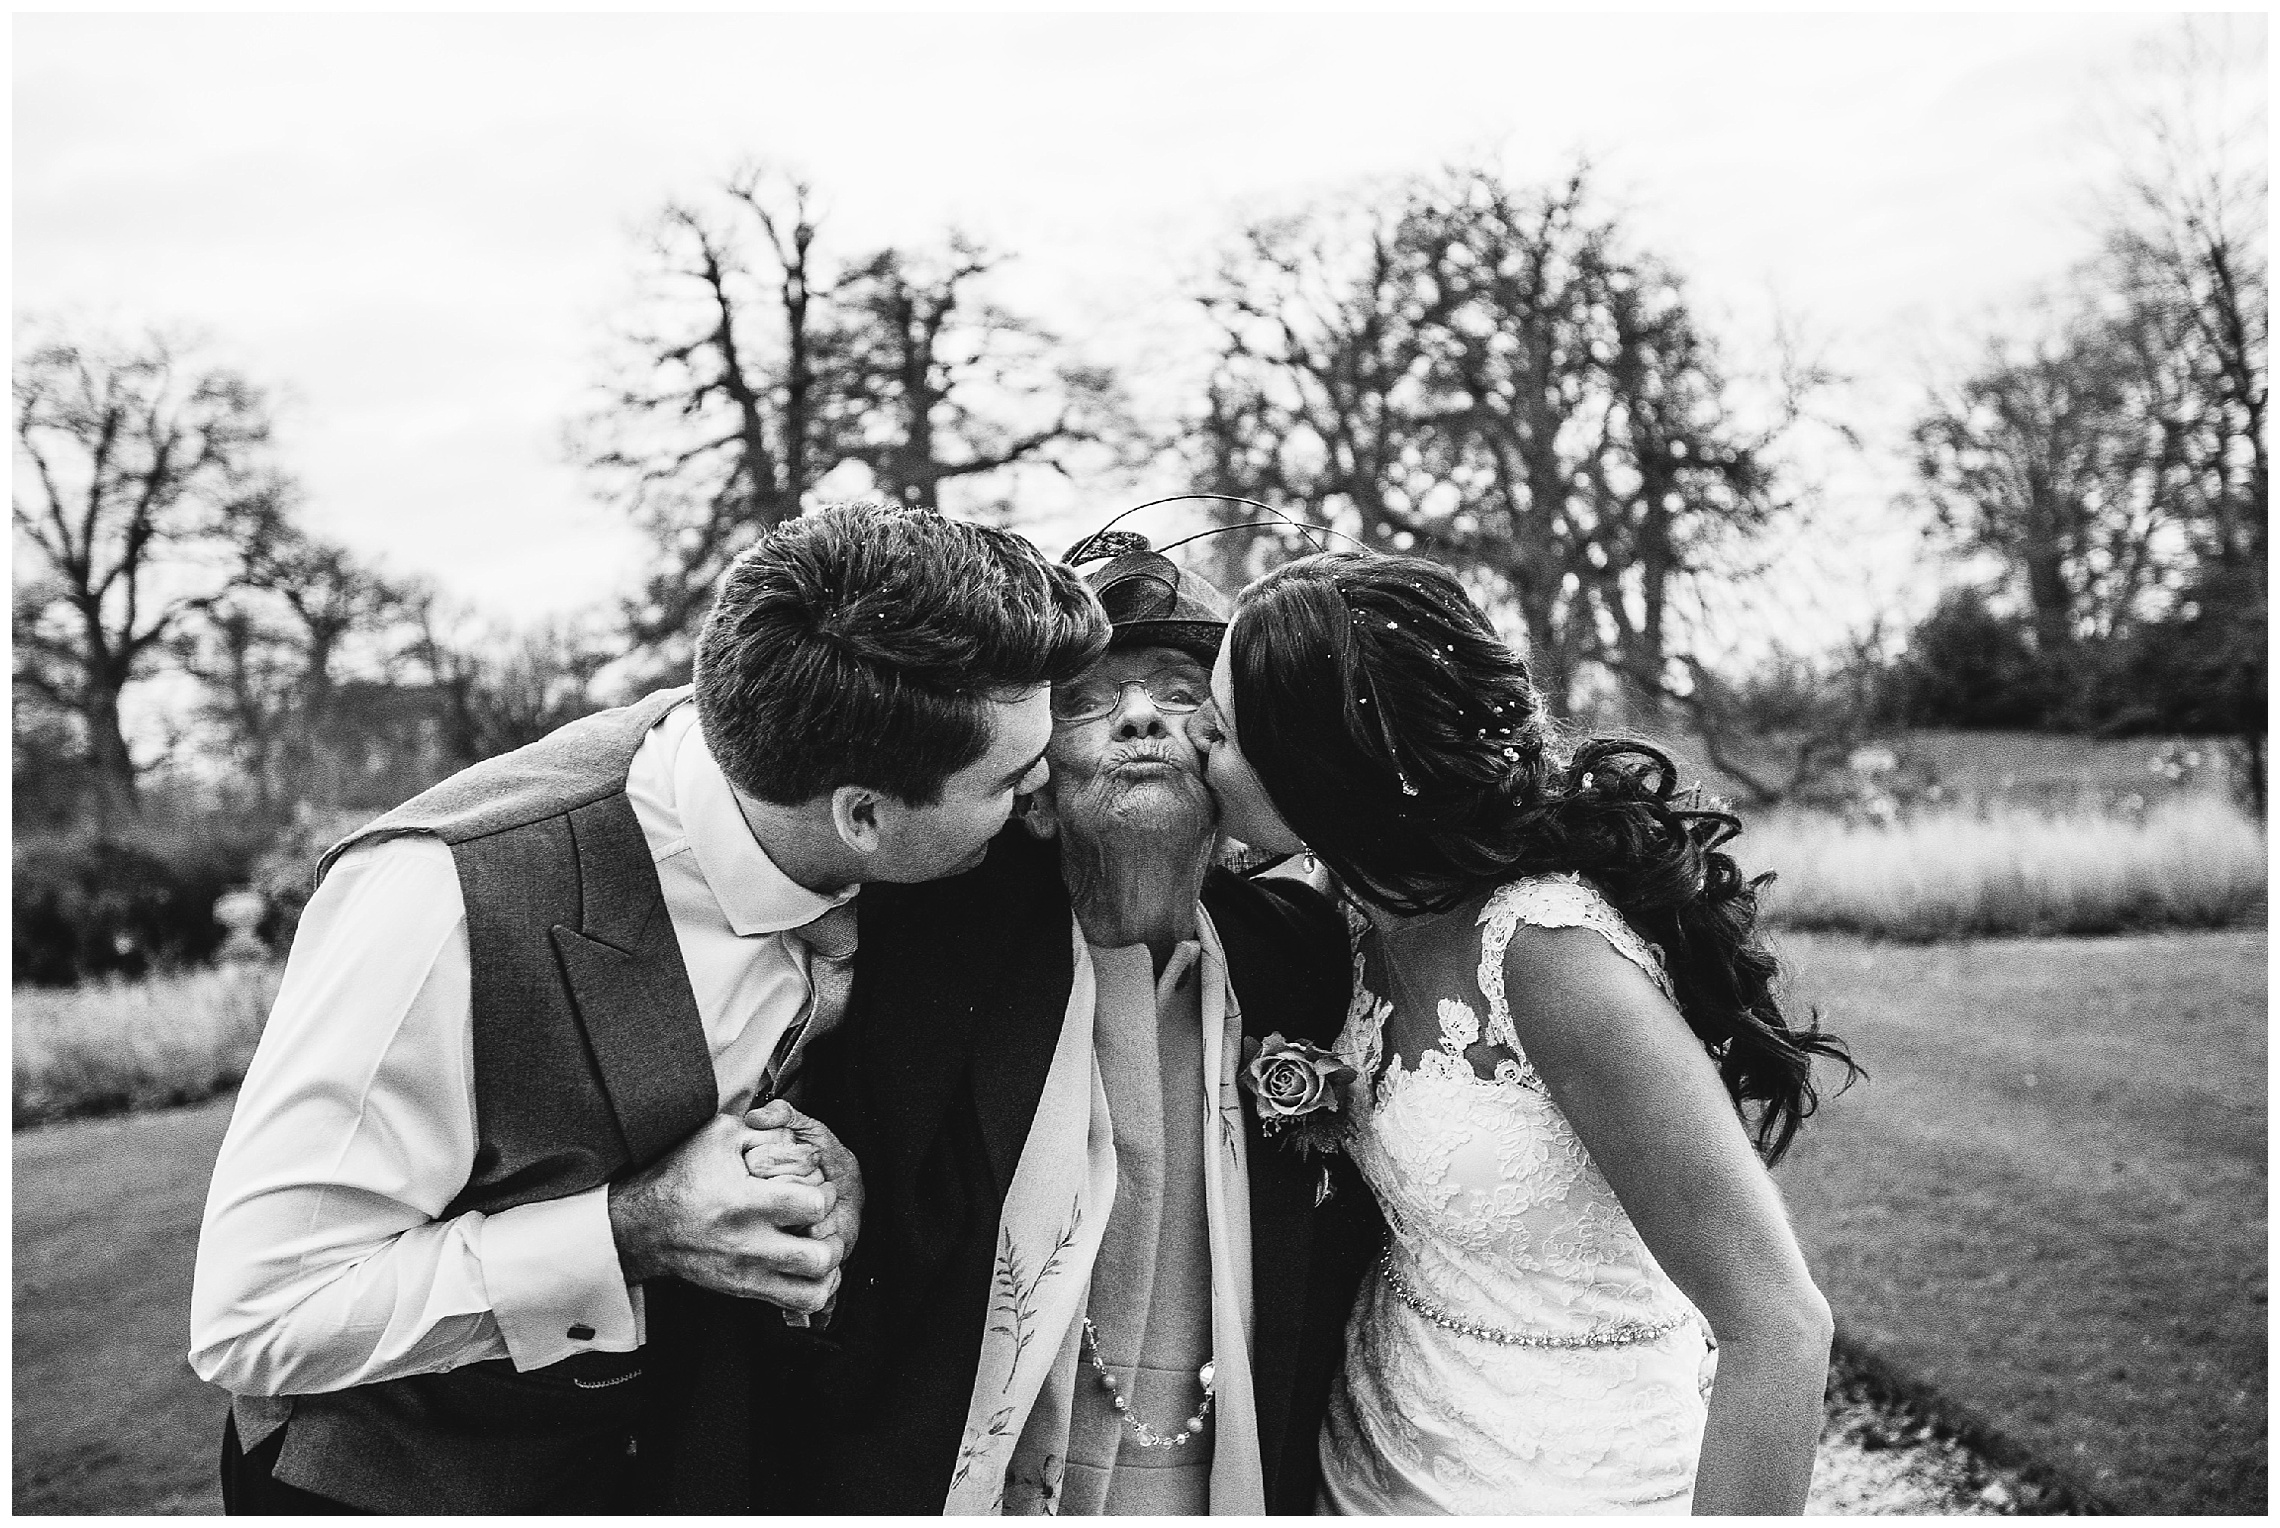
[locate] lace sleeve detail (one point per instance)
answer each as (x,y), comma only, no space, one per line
(1552,901)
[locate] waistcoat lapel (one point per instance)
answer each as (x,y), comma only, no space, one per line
(623,967)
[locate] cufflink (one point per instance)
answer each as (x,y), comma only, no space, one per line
(581,1333)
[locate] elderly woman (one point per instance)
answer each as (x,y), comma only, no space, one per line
(1115,1285)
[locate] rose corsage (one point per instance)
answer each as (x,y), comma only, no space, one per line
(1298,1089)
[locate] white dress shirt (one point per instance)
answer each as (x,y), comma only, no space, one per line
(322,1263)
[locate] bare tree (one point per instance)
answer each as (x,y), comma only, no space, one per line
(763,366)
(274,646)
(498,688)
(132,458)
(2185,229)
(1312,406)
(2111,456)
(2188,248)
(951,386)
(1492,377)
(251,676)
(716,428)
(2043,458)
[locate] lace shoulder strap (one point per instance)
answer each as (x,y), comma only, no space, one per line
(1552,901)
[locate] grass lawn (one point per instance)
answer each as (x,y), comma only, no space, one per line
(107,1415)
(2049,1207)
(2050,1203)
(109,1419)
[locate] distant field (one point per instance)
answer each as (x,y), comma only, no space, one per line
(1991,764)
(1962,873)
(2050,1203)
(2039,769)
(111,1046)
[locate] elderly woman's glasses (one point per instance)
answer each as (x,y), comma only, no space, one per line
(1176,692)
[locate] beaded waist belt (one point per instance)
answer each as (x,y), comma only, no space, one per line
(1621,1335)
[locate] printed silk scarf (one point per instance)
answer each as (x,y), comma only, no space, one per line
(1049,1233)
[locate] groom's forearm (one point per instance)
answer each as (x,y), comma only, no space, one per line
(517,1285)
(325,1261)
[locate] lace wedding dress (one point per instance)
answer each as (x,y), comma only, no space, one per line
(1518,1349)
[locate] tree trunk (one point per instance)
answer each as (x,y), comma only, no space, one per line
(1536,591)
(799,369)
(111,764)
(2044,556)
(921,474)
(1655,573)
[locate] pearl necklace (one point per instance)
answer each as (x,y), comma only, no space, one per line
(1148,1436)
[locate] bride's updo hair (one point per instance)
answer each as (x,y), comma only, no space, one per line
(1406,744)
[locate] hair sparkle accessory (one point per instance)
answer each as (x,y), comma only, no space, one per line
(1384,727)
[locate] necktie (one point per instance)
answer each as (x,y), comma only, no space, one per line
(830,941)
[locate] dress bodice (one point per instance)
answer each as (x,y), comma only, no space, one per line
(1521,1349)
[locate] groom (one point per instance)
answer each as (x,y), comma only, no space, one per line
(485,1234)
(1089,1282)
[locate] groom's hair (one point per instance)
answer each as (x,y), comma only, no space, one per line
(863,644)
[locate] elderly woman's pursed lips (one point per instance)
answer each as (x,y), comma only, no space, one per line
(1147,758)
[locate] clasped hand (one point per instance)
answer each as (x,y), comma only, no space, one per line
(763,1206)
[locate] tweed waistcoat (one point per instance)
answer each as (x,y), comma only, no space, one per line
(590,1062)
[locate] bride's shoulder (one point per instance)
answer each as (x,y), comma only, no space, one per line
(1555,926)
(1544,901)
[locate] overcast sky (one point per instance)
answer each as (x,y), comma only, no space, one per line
(416,229)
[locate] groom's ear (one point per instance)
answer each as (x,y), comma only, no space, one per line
(855,817)
(1036,815)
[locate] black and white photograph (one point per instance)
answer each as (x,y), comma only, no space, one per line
(1140,763)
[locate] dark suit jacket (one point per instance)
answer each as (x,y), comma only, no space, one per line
(960,988)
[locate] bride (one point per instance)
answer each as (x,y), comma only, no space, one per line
(1570,1066)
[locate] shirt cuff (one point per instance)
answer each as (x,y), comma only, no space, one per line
(551,1271)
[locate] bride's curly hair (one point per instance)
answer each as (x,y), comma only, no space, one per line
(1406,744)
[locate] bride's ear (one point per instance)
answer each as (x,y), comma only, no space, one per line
(1036,814)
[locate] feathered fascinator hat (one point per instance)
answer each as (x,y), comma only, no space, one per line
(1152,602)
